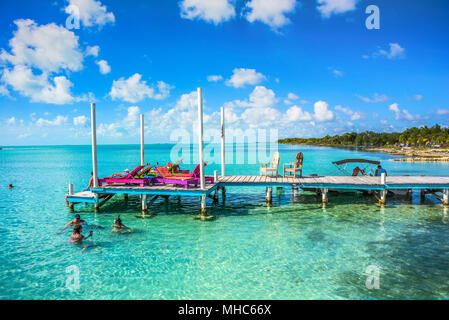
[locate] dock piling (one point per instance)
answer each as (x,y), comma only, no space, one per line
(142,141)
(200,136)
(324,198)
(383,197)
(94,144)
(144,204)
(446,197)
(204,216)
(269,195)
(222,141)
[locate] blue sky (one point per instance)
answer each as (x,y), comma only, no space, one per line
(305,67)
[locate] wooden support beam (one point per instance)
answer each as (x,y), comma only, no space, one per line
(324,198)
(269,195)
(126,196)
(144,204)
(223,193)
(106,199)
(423,195)
(383,197)
(204,216)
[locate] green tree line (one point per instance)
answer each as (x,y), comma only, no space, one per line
(423,136)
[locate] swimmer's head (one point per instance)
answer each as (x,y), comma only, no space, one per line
(11,186)
(77,217)
(118,220)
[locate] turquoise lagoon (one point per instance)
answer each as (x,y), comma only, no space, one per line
(293,250)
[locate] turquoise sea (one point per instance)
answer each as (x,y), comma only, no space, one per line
(295,249)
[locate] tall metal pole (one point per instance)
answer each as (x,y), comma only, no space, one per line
(142,141)
(200,135)
(222,141)
(94,144)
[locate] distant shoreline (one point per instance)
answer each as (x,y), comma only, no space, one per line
(410,154)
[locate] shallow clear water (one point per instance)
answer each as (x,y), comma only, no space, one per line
(293,250)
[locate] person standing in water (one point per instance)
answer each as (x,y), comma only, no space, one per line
(77,237)
(119,226)
(76,221)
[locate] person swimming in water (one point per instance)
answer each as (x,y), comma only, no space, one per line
(76,221)
(10,186)
(77,237)
(119,226)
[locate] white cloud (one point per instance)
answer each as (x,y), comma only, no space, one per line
(322,112)
(241,77)
(104,66)
(214,11)
(336,73)
(330,7)
(80,120)
(395,52)
(417,97)
(134,89)
(49,48)
(270,12)
(164,90)
(11,121)
(214,78)
(4,91)
(295,113)
(442,112)
(91,12)
(38,88)
(375,99)
(260,117)
(24,135)
(92,51)
(403,114)
(261,97)
(292,96)
(132,116)
(59,120)
(127,126)
(354,115)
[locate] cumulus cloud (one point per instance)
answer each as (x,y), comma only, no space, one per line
(330,7)
(322,112)
(80,120)
(214,78)
(295,113)
(354,115)
(134,89)
(11,121)
(336,73)
(241,77)
(92,51)
(91,12)
(261,97)
(214,11)
(49,48)
(260,117)
(395,51)
(270,12)
(104,66)
(443,112)
(59,120)
(124,127)
(402,114)
(375,99)
(38,87)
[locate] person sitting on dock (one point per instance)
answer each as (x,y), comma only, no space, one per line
(356,172)
(119,226)
(77,237)
(91,181)
(120,175)
(379,171)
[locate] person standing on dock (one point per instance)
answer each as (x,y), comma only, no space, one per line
(379,171)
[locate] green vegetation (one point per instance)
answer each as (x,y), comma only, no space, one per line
(416,137)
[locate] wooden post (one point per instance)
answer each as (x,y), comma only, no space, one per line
(142,141)
(144,204)
(215,176)
(223,193)
(200,135)
(324,198)
(383,197)
(295,191)
(269,195)
(203,215)
(446,197)
(222,141)
(383,178)
(94,144)
(423,195)
(126,196)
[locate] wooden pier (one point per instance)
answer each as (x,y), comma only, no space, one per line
(319,184)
